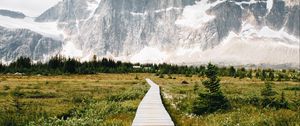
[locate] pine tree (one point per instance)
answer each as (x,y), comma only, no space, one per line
(196,87)
(242,73)
(212,100)
(70,66)
(271,75)
(279,77)
(249,75)
(1,67)
(232,71)
(56,62)
(268,95)
(263,75)
(257,74)
(283,102)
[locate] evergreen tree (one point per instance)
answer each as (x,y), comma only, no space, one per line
(279,77)
(257,74)
(196,87)
(70,66)
(283,102)
(22,62)
(212,100)
(286,77)
(201,70)
(1,67)
(268,95)
(56,62)
(263,75)
(249,74)
(242,73)
(232,71)
(271,75)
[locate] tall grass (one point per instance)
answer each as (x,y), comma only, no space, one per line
(105,99)
(244,96)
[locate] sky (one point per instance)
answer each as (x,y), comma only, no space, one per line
(32,8)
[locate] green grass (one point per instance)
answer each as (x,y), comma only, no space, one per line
(104,99)
(244,96)
(112,99)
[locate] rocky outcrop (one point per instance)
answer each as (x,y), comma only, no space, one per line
(12,14)
(21,42)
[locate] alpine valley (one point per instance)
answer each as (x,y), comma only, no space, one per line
(224,32)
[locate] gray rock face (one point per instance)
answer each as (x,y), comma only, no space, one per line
(293,21)
(12,14)
(125,27)
(65,11)
(228,18)
(22,42)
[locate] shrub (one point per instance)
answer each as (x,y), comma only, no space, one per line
(269,98)
(296,88)
(283,102)
(161,76)
(37,87)
(268,95)
(184,82)
(6,87)
(125,96)
(81,98)
(136,77)
(210,103)
(213,100)
(196,87)
(66,115)
(254,100)
(38,94)
(17,92)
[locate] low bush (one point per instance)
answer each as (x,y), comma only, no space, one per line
(127,95)
(6,87)
(38,94)
(17,92)
(296,88)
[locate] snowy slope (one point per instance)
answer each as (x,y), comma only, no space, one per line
(48,29)
(176,31)
(32,8)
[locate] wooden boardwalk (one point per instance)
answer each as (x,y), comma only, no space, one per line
(151,111)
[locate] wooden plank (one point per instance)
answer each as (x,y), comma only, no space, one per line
(151,111)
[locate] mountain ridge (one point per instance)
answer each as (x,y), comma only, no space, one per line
(179,31)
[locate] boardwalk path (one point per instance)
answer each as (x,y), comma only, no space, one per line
(151,111)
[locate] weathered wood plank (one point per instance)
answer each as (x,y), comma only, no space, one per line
(151,111)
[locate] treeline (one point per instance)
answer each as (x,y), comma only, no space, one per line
(60,65)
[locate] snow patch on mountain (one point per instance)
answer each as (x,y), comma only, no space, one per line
(70,50)
(92,7)
(234,50)
(149,55)
(32,8)
(47,29)
(195,16)
(292,2)
(269,5)
(249,31)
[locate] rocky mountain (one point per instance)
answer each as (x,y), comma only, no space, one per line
(12,14)
(231,32)
(22,42)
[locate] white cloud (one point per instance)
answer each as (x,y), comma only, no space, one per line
(31,8)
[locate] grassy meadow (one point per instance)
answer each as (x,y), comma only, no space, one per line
(103,99)
(244,96)
(112,99)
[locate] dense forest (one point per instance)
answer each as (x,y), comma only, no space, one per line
(59,65)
